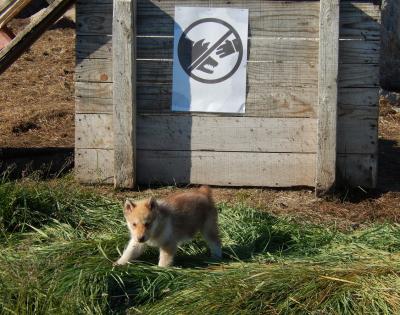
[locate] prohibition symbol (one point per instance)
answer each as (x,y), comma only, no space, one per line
(210,57)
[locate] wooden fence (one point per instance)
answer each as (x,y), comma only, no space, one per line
(311,106)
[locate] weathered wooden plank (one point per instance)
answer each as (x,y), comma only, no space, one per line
(93,46)
(267,18)
(358,169)
(327,96)
(94,131)
(283,74)
(203,132)
(248,134)
(359,20)
(359,51)
(226,168)
(260,49)
(94,165)
(93,105)
(261,100)
(94,70)
(156,71)
(357,130)
(364,97)
(94,90)
(124,93)
(358,75)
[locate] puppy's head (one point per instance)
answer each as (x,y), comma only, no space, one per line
(140,217)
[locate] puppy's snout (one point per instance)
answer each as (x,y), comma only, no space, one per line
(142,239)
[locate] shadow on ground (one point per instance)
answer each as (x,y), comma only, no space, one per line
(44,162)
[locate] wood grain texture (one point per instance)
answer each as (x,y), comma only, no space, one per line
(94,166)
(266,102)
(262,100)
(97,166)
(94,131)
(260,49)
(287,74)
(124,93)
(282,74)
(364,97)
(92,105)
(359,51)
(357,132)
(358,75)
(267,18)
(237,134)
(327,96)
(357,170)
(360,20)
(226,168)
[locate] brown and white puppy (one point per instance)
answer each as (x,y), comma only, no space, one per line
(168,223)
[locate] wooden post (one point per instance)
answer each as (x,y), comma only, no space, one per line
(327,95)
(124,92)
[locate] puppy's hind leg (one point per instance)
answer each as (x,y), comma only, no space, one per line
(132,251)
(211,235)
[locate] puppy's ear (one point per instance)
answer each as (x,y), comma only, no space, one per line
(129,207)
(152,203)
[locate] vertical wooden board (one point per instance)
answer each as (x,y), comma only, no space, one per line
(124,92)
(94,166)
(358,170)
(327,95)
(94,131)
(226,168)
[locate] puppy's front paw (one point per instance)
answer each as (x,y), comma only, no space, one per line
(119,262)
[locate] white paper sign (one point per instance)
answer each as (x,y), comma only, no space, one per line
(210,55)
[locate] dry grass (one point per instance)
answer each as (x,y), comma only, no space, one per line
(36,92)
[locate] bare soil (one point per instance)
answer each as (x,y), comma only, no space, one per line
(37,110)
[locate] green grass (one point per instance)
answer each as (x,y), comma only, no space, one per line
(58,242)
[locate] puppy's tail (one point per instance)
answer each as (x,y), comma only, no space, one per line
(206,190)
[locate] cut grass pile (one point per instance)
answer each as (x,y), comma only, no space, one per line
(58,243)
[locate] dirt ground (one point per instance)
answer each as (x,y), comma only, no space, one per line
(37,110)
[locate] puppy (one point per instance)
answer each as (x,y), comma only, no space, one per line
(167,223)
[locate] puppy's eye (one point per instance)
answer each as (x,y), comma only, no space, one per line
(147,225)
